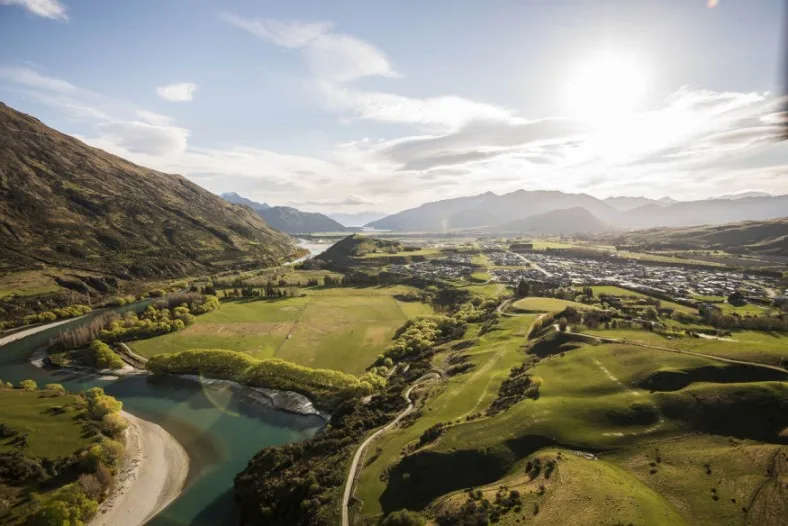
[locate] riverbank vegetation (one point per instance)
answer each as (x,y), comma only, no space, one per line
(325,387)
(59,453)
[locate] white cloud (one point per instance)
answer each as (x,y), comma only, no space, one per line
(141,137)
(45,8)
(330,56)
(156,119)
(180,92)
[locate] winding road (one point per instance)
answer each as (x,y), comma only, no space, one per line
(353,472)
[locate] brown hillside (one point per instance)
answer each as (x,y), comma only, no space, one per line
(67,204)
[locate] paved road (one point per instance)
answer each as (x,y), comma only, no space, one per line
(351,476)
(534,265)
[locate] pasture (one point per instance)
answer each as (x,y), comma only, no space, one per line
(342,328)
(536,304)
(51,433)
(590,399)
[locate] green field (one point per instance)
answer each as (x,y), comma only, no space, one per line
(27,283)
(493,356)
(612,290)
(589,400)
(51,435)
(535,304)
(343,328)
(424,252)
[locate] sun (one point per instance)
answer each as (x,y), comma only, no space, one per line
(606,87)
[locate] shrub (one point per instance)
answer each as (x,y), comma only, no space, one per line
(69,506)
(104,357)
(403,518)
(56,388)
(156,293)
(100,404)
(113,424)
(27,385)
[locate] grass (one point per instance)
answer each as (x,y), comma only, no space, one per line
(411,309)
(342,328)
(51,435)
(343,332)
(480,277)
(424,252)
(256,327)
(491,290)
(592,491)
(493,356)
(589,401)
(534,304)
(27,283)
(611,290)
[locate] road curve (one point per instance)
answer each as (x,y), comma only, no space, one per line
(351,476)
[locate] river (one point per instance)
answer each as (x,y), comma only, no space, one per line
(219,432)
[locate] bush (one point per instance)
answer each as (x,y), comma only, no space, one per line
(272,373)
(104,357)
(403,518)
(113,424)
(69,506)
(156,293)
(27,385)
(100,404)
(55,388)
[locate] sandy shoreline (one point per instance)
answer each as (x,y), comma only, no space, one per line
(152,476)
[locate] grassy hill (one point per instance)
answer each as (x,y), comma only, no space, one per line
(762,237)
(295,221)
(64,203)
(576,220)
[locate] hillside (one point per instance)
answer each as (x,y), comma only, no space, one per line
(357,246)
(707,212)
(357,218)
(764,237)
(569,221)
(294,221)
(67,204)
(232,197)
(624,203)
(489,209)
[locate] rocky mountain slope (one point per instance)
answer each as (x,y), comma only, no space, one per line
(64,203)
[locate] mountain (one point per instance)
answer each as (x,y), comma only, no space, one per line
(706,212)
(624,203)
(294,221)
(745,194)
(762,237)
(232,197)
(575,220)
(66,204)
(489,209)
(356,219)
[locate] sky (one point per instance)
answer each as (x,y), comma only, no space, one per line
(350,106)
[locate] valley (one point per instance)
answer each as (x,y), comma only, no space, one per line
(488,360)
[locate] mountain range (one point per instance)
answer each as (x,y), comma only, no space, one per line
(232,197)
(294,221)
(66,204)
(494,212)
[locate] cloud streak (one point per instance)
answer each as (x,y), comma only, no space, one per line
(179,92)
(44,8)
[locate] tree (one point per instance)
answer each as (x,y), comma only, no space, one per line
(737,298)
(562,325)
(55,388)
(27,385)
(403,518)
(523,289)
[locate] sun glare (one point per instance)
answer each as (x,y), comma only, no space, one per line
(606,87)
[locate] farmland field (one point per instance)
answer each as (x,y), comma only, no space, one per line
(51,435)
(342,328)
(535,304)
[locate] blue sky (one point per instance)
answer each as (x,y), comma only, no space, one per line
(352,106)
